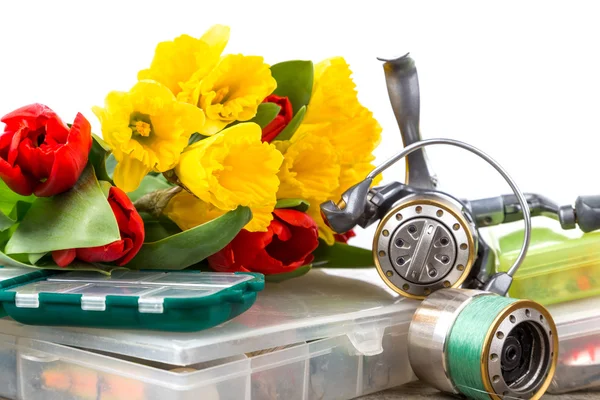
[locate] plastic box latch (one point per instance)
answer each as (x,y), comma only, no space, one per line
(27,300)
(151,305)
(368,342)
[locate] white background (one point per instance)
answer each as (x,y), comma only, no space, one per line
(520,80)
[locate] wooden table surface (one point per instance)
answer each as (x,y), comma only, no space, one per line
(419,391)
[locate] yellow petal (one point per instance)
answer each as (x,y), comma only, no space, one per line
(148,125)
(187,211)
(261,218)
(232,91)
(216,38)
(233,168)
(334,112)
(310,168)
(129,174)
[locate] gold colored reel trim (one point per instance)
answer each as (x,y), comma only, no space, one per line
(392,213)
(485,355)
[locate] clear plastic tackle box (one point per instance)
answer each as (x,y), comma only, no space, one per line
(331,334)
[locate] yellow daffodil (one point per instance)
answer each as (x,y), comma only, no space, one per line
(334,112)
(188,211)
(335,122)
(234,168)
(230,92)
(147,129)
(310,168)
(175,62)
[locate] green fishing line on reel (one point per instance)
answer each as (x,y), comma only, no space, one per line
(483,345)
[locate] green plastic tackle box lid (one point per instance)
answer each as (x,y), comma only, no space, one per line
(559,266)
(169,301)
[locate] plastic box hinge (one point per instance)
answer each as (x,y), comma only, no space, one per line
(27,300)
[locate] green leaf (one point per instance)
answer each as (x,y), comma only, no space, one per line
(98,155)
(8,261)
(296,204)
(265,113)
(111,164)
(8,198)
(158,228)
(80,217)
(149,184)
(35,257)
(192,246)
(196,137)
(292,127)
(294,81)
(276,278)
(16,214)
(5,222)
(341,255)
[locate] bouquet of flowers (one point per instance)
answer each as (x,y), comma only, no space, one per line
(210,160)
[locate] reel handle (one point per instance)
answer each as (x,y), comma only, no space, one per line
(506,208)
(587,211)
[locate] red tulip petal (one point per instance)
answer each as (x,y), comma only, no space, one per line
(70,160)
(62,258)
(110,252)
(286,113)
(294,217)
(247,245)
(36,161)
(32,116)
(344,237)
(130,223)
(224,261)
(265,264)
(305,237)
(279,229)
(56,131)
(15,180)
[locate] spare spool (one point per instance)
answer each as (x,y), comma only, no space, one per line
(483,345)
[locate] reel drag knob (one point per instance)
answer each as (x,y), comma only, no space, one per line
(483,345)
(423,244)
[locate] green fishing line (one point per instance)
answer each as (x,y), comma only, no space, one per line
(465,343)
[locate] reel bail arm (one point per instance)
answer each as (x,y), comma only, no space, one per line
(402,83)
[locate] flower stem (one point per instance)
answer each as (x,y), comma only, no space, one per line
(155,202)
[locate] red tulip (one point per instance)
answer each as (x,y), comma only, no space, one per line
(288,244)
(344,237)
(270,132)
(39,154)
(121,251)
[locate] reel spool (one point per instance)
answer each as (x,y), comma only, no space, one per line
(483,345)
(423,244)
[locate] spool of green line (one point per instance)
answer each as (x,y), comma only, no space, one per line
(483,345)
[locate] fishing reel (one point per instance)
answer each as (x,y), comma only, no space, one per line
(427,246)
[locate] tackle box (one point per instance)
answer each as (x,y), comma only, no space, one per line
(560,266)
(174,301)
(331,334)
(578,367)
